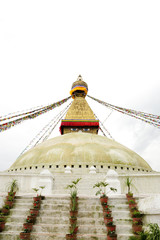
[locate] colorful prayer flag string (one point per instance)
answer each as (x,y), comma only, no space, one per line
(30,115)
(146,117)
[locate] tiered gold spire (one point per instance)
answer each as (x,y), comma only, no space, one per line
(80,116)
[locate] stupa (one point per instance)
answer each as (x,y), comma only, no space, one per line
(79,146)
(79,152)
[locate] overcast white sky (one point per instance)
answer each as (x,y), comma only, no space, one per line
(114,45)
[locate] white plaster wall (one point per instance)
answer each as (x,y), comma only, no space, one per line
(146,184)
(150,206)
(142,183)
(26,182)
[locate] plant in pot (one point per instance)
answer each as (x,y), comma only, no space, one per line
(105,207)
(72,233)
(132,209)
(132,203)
(5,209)
(13,187)
(32,218)
(108,218)
(73,207)
(37,204)
(106,210)
(34,210)
(110,226)
(38,197)
(74,228)
(111,235)
(28,224)
(73,196)
(73,220)
(137,227)
(129,184)
(102,191)
(25,234)
(9,201)
(2,223)
(136,216)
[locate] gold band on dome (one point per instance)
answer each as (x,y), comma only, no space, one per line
(78,88)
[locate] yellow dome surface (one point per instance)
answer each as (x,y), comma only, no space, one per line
(80,148)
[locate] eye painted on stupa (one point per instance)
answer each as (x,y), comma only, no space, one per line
(74,129)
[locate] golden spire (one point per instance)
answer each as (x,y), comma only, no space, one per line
(80,116)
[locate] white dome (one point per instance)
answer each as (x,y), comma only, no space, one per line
(80,148)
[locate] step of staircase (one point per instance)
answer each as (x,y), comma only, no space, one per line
(53,220)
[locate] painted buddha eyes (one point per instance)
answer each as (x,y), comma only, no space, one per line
(82,130)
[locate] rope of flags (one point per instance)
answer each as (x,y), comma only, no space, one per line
(102,130)
(28,115)
(46,131)
(146,117)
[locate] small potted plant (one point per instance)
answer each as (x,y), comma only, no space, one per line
(111,235)
(136,216)
(2,223)
(128,184)
(73,194)
(106,207)
(38,197)
(132,203)
(9,201)
(132,209)
(32,218)
(137,227)
(25,234)
(73,220)
(107,210)
(72,234)
(13,187)
(102,191)
(37,204)
(110,226)
(28,224)
(108,218)
(34,210)
(5,209)
(74,228)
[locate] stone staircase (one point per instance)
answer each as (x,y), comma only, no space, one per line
(53,220)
